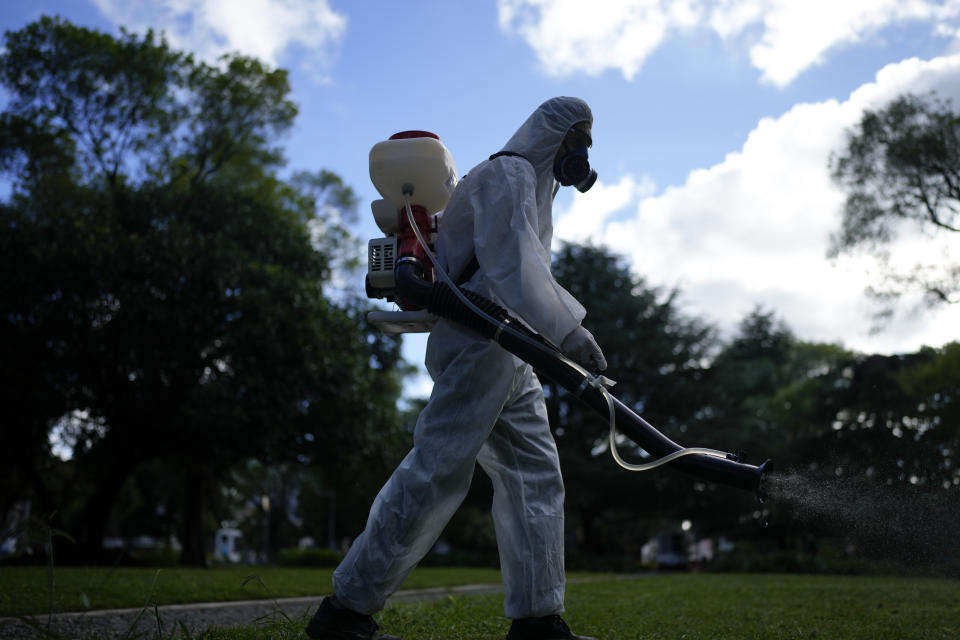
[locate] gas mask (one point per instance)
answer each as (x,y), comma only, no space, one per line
(572,166)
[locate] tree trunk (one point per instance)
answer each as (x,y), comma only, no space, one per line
(588,540)
(193,535)
(92,524)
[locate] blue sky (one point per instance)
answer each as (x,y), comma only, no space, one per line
(713,120)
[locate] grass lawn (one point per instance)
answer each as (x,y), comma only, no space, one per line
(694,607)
(675,606)
(26,590)
(704,607)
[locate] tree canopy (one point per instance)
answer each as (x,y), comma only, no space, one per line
(900,169)
(169,294)
(657,355)
(819,411)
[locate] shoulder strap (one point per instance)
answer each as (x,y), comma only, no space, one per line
(509,153)
(472,267)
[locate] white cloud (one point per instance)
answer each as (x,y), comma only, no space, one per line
(753,229)
(797,35)
(588,213)
(260,28)
(570,36)
(784,37)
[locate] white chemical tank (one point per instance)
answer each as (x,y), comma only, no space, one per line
(416,158)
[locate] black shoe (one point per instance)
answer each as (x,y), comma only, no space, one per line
(333,621)
(545,628)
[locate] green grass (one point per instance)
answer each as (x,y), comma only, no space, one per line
(690,607)
(655,607)
(710,607)
(25,590)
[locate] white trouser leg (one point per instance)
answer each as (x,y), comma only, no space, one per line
(472,383)
(520,456)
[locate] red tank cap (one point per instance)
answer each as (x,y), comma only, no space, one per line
(403,135)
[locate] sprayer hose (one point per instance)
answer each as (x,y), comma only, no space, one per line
(492,321)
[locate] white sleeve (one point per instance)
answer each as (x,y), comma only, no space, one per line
(511,255)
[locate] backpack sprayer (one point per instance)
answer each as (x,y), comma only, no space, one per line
(416,174)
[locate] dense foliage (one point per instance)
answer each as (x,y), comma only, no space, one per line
(855,427)
(164,312)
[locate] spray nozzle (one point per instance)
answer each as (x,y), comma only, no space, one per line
(763,471)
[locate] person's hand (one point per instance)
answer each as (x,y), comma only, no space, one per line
(580,345)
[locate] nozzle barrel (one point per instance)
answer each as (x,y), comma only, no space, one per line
(726,471)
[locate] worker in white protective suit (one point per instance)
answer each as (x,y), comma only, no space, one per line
(487,405)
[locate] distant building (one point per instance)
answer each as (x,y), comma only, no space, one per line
(226,547)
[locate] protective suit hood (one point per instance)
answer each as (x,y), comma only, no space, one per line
(539,138)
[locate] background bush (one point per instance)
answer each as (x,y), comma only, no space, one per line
(294,557)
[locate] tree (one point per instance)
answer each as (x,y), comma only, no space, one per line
(876,436)
(900,168)
(170,300)
(762,393)
(658,357)
(934,384)
(893,418)
(754,380)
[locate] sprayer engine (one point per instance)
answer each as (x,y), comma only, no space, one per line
(411,170)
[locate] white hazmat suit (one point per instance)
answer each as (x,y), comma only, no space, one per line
(487,405)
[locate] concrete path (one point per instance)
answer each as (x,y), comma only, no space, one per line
(114,623)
